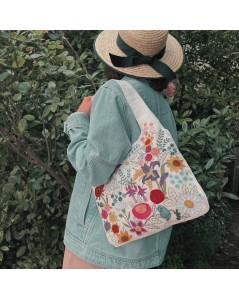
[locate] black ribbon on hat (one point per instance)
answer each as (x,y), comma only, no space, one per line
(135,58)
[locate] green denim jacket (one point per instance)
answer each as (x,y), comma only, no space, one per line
(97,145)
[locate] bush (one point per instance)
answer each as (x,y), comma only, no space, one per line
(44,76)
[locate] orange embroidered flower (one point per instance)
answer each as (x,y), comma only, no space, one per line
(175,164)
(123,237)
(148,141)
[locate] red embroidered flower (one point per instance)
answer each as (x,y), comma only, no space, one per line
(115,228)
(148,157)
(99,191)
(157,196)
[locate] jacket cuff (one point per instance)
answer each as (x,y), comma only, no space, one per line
(77,119)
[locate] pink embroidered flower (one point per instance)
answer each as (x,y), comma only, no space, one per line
(148,149)
(104,214)
(154,151)
(142,211)
(137,228)
(170,90)
(107,207)
(141,163)
(142,139)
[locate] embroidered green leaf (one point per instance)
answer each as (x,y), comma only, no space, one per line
(126,225)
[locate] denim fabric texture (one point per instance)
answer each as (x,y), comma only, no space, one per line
(97,145)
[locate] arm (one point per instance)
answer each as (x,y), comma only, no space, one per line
(99,143)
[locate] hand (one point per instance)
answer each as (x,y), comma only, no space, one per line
(85,105)
(170,90)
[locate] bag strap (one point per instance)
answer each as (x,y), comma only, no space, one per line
(140,110)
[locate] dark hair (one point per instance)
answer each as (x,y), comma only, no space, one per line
(158,84)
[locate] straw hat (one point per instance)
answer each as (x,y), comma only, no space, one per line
(110,45)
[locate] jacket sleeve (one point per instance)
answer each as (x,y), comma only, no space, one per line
(100,142)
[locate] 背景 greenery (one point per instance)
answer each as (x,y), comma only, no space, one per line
(43,77)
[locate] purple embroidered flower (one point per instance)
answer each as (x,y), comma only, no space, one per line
(107,225)
(131,192)
(137,228)
(141,192)
(149,171)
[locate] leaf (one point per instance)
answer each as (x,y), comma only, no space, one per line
(185,126)
(35,55)
(24,87)
(3,76)
(69,73)
(46,111)
(230,196)
(209,163)
(54,107)
(163,178)
(21,251)
(4,248)
(1,256)
(51,85)
(18,62)
(17,97)
(8,236)
(22,125)
(1,236)
(29,117)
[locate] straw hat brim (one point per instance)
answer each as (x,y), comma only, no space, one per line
(105,43)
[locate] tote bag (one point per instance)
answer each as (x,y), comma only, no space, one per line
(153,188)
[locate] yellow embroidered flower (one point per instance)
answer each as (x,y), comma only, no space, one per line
(123,237)
(137,174)
(175,164)
(113,218)
(149,184)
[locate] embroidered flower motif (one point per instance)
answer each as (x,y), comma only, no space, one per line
(123,237)
(148,141)
(141,211)
(175,164)
(154,151)
(115,228)
(150,172)
(148,157)
(107,207)
(99,190)
(189,204)
(131,192)
(141,192)
(137,228)
(107,225)
(104,214)
(112,218)
(157,196)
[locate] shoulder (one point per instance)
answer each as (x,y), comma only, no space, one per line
(109,94)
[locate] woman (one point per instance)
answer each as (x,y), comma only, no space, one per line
(101,134)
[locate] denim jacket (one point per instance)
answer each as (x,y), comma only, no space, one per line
(97,145)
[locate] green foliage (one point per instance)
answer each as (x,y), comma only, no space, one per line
(206,109)
(43,78)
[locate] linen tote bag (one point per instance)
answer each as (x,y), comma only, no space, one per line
(153,188)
